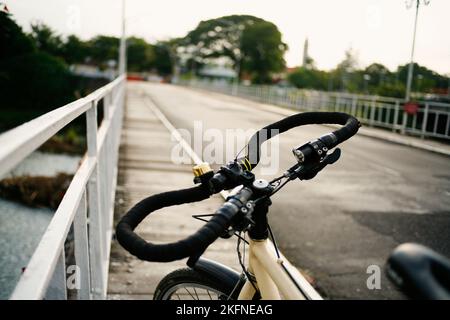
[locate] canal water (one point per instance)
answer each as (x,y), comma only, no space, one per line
(22,227)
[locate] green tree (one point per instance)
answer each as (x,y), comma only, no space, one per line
(163,61)
(103,49)
(309,78)
(262,51)
(140,54)
(390,89)
(250,44)
(378,74)
(344,72)
(46,40)
(75,50)
(36,77)
(424,79)
(32,82)
(13,41)
(216,38)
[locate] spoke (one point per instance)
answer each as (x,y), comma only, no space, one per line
(196,293)
(189,293)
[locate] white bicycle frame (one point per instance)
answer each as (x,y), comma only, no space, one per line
(275,277)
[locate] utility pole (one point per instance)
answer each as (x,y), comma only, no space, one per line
(123,45)
(411,63)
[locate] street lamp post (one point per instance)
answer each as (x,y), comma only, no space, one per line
(411,63)
(123,48)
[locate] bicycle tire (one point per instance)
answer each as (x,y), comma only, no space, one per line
(193,285)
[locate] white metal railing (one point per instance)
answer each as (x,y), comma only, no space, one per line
(88,203)
(432,119)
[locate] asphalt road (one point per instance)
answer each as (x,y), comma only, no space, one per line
(353,213)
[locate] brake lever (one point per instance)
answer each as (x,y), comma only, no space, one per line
(310,173)
(333,157)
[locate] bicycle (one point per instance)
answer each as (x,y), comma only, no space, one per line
(269,274)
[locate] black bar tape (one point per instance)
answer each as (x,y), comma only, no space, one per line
(138,246)
(350,127)
(195,244)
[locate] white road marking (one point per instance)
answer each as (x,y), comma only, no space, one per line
(176,134)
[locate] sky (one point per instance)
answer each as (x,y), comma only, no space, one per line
(377,30)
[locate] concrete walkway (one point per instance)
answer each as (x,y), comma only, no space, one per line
(145,168)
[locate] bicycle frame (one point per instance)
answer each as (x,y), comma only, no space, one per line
(275,277)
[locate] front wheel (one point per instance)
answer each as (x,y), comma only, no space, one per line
(189,284)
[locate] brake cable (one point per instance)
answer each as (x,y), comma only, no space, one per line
(242,263)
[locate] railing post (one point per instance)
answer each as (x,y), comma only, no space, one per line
(57,289)
(82,249)
(436,120)
(338,101)
(95,218)
(106,105)
(404,122)
(395,124)
(372,112)
(425,121)
(354,102)
(447,126)
(269,95)
(234,89)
